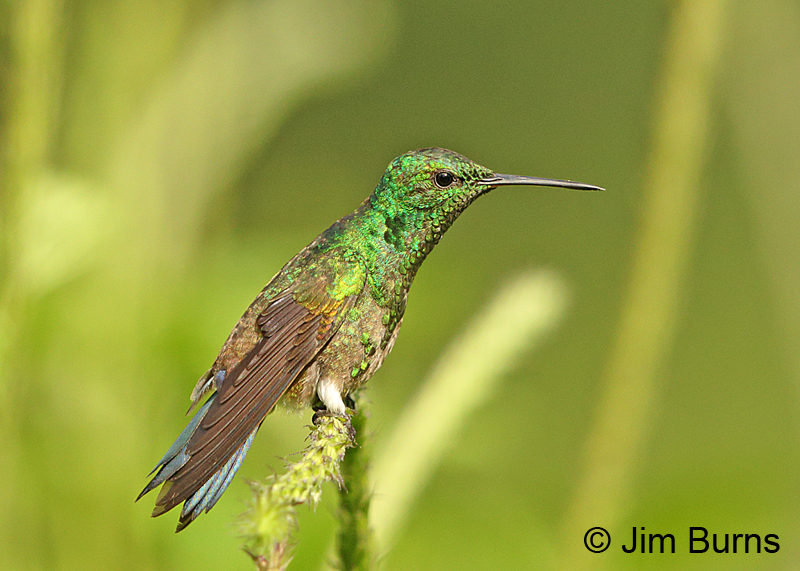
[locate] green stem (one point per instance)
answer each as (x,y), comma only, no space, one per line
(355,541)
(649,317)
(30,86)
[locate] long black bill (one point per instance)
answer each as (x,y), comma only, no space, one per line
(512,179)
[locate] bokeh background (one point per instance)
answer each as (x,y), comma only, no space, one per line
(161,159)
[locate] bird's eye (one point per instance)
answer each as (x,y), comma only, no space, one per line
(443,179)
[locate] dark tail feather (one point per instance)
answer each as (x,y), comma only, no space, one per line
(208,495)
(177,456)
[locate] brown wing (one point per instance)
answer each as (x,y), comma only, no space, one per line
(294,329)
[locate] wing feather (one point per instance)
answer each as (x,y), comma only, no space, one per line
(294,329)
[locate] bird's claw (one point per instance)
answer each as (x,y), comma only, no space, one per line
(321,413)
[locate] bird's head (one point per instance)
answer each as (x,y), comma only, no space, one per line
(442,182)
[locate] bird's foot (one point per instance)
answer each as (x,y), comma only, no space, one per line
(322,413)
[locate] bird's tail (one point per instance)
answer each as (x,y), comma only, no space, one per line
(209,493)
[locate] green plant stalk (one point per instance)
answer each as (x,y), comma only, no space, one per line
(271,519)
(648,320)
(355,539)
(766,122)
(31,70)
(29,101)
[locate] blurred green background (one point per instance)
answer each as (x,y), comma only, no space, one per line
(161,159)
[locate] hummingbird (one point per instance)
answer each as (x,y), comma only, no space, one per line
(325,322)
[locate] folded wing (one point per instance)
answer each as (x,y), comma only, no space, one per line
(295,327)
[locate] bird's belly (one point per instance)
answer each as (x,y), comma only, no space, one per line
(351,357)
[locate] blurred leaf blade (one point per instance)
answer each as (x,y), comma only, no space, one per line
(521,314)
(649,317)
(766,123)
